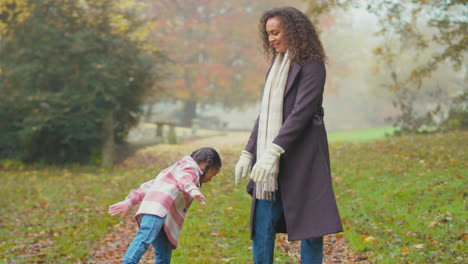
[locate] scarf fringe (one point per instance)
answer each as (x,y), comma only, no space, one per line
(266,189)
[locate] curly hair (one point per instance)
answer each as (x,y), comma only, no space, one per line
(300,35)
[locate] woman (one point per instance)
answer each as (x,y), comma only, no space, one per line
(290,183)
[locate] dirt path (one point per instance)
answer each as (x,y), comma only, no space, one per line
(113,246)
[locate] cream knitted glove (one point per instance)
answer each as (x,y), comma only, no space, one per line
(266,163)
(243,166)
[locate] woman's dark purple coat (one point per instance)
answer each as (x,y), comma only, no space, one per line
(309,203)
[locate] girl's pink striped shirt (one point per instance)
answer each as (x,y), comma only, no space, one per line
(168,195)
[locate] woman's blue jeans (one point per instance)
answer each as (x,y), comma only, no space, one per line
(151,232)
(267,215)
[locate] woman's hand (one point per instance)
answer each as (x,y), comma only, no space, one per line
(120,208)
(197,195)
(243,166)
(266,163)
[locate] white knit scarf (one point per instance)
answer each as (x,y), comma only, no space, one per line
(271,118)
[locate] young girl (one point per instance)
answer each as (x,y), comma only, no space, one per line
(164,203)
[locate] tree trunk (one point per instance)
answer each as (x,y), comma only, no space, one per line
(107,149)
(190,108)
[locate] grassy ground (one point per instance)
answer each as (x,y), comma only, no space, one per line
(402,200)
(360,135)
(54,215)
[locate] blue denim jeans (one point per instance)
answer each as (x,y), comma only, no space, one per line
(151,232)
(267,215)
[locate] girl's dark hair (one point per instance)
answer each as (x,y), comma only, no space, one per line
(208,155)
(300,34)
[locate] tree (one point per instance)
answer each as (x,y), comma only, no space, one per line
(212,46)
(12,13)
(434,29)
(66,70)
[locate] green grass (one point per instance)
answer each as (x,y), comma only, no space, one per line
(360,135)
(54,215)
(402,200)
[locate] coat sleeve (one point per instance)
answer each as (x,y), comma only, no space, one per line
(252,143)
(252,148)
(136,196)
(308,100)
(187,180)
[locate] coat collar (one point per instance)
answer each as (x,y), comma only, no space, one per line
(293,71)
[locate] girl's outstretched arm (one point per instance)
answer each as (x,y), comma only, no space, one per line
(136,196)
(187,182)
(133,198)
(120,208)
(197,195)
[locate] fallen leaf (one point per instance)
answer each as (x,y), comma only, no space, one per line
(369,239)
(227,260)
(433,223)
(405,251)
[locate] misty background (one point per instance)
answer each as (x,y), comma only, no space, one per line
(354,95)
(356,91)
(79,78)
